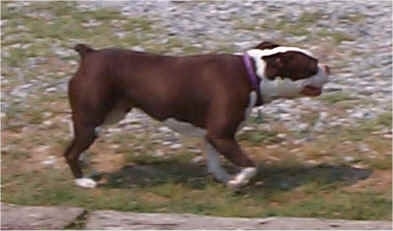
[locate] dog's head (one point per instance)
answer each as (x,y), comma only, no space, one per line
(288,72)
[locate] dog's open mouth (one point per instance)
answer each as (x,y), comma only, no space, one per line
(311,91)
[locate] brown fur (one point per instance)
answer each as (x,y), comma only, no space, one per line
(210,91)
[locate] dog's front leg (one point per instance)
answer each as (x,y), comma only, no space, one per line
(213,164)
(229,147)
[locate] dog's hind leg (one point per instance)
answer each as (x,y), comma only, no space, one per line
(84,136)
(86,124)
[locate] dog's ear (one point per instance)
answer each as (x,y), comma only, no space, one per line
(266,45)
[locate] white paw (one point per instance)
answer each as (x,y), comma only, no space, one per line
(85,183)
(242,178)
(221,176)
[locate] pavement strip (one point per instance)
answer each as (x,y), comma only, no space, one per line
(39,217)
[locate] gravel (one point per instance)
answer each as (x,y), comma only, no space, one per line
(361,64)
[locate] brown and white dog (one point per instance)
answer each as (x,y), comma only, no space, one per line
(201,95)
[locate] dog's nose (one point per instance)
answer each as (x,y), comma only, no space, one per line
(326,68)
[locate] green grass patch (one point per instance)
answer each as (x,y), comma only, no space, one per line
(363,131)
(308,18)
(353,18)
(295,27)
(295,191)
(384,119)
(336,36)
(141,24)
(380,163)
(287,27)
(336,97)
(343,205)
(103,14)
(290,26)
(260,137)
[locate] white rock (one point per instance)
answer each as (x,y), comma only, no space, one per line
(158,153)
(50,161)
(198,159)
(164,129)
(363,148)
(47,123)
(176,146)
(51,89)
(248,128)
(349,158)
(138,48)
(166,143)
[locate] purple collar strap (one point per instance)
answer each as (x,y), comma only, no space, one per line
(255,81)
(250,70)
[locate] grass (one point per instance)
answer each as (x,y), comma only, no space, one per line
(295,27)
(353,18)
(260,137)
(287,191)
(362,132)
(283,187)
(336,97)
(133,176)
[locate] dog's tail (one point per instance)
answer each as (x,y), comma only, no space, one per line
(83,49)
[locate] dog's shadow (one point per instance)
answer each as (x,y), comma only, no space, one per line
(270,178)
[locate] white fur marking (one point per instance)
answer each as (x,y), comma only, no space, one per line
(243,177)
(184,128)
(277,50)
(85,183)
(213,164)
(251,104)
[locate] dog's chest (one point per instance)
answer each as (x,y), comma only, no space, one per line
(251,103)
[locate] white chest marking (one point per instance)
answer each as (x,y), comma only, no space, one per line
(184,128)
(251,104)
